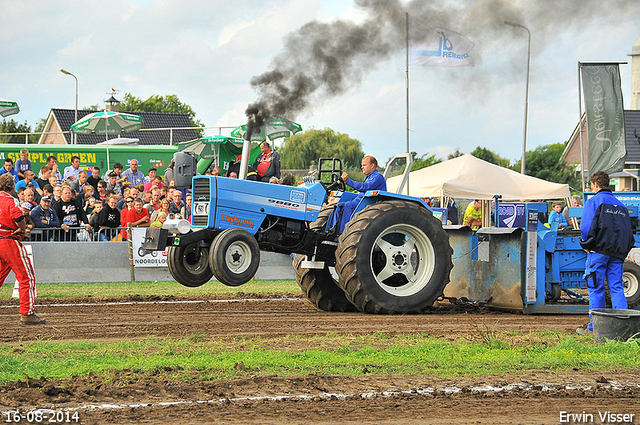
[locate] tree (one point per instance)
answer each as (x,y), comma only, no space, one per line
(303,149)
(424,161)
(12,126)
(544,163)
(456,154)
(169,103)
(490,156)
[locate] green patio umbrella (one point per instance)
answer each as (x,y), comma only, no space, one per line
(107,123)
(8,107)
(209,147)
(274,127)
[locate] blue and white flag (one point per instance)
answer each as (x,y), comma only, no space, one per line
(438,46)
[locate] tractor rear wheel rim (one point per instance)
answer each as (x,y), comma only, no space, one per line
(402,260)
(630,282)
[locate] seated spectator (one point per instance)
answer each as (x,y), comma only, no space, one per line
(146,197)
(161,218)
(473,215)
(45,217)
(29,177)
(556,216)
(53,180)
(29,196)
(165,205)
(156,183)
(576,201)
(109,220)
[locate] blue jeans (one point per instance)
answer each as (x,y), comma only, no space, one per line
(599,268)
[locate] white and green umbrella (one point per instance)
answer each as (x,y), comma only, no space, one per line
(274,127)
(107,123)
(8,107)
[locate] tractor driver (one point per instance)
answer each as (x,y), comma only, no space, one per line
(373,180)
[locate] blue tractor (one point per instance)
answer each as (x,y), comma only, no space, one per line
(392,257)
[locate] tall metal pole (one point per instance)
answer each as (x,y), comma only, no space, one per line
(407,71)
(526,99)
(75,136)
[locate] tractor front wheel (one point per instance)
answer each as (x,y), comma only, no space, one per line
(630,281)
(189,265)
(234,256)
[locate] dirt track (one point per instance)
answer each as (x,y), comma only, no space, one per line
(539,398)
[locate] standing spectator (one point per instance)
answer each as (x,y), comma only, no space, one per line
(8,169)
(267,163)
(185,211)
(112,184)
(168,173)
(124,213)
(473,215)
(70,214)
(52,162)
(43,176)
(131,193)
(57,195)
(216,171)
(29,196)
(151,175)
(53,180)
(13,255)
(44,217)
(138,216)
(23,164)
(29,177)
(146,197)
(78,184)
(165,206)
(160,219)
(109,220)
(101,193)
(84,195)
(117,168)
(452,211)
(93,218)
(133,176)
(156,183)
(607,237)
(155,201)
(94,178)
(71,172)
(176,203)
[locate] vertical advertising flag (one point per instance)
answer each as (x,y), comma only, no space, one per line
(433,46)
(605,117)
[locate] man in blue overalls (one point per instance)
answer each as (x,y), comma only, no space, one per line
(373,180)
(607,237)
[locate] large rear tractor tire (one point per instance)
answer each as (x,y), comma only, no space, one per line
(189,265)
(234,256)
(631,282)
(393,257)
(319,285)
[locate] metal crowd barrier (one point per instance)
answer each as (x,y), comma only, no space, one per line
(78,234)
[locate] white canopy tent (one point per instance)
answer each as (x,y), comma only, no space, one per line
(472,178)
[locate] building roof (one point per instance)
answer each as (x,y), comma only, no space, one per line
(64,118)
(632,142)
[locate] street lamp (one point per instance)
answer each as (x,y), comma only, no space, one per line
(526,99)
(75,137)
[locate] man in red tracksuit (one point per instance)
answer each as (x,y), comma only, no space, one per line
(13,255)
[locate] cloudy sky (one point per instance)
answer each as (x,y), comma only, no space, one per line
(207,52)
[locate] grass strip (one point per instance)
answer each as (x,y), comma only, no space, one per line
(118,289)
(198,357)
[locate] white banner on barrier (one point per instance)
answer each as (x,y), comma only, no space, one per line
(142,257)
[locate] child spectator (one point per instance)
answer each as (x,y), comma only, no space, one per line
(93,218)
(556,216)
(23,164)
(109,220)
(162,217)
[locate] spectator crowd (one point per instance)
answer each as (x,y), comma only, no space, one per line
(79,205)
